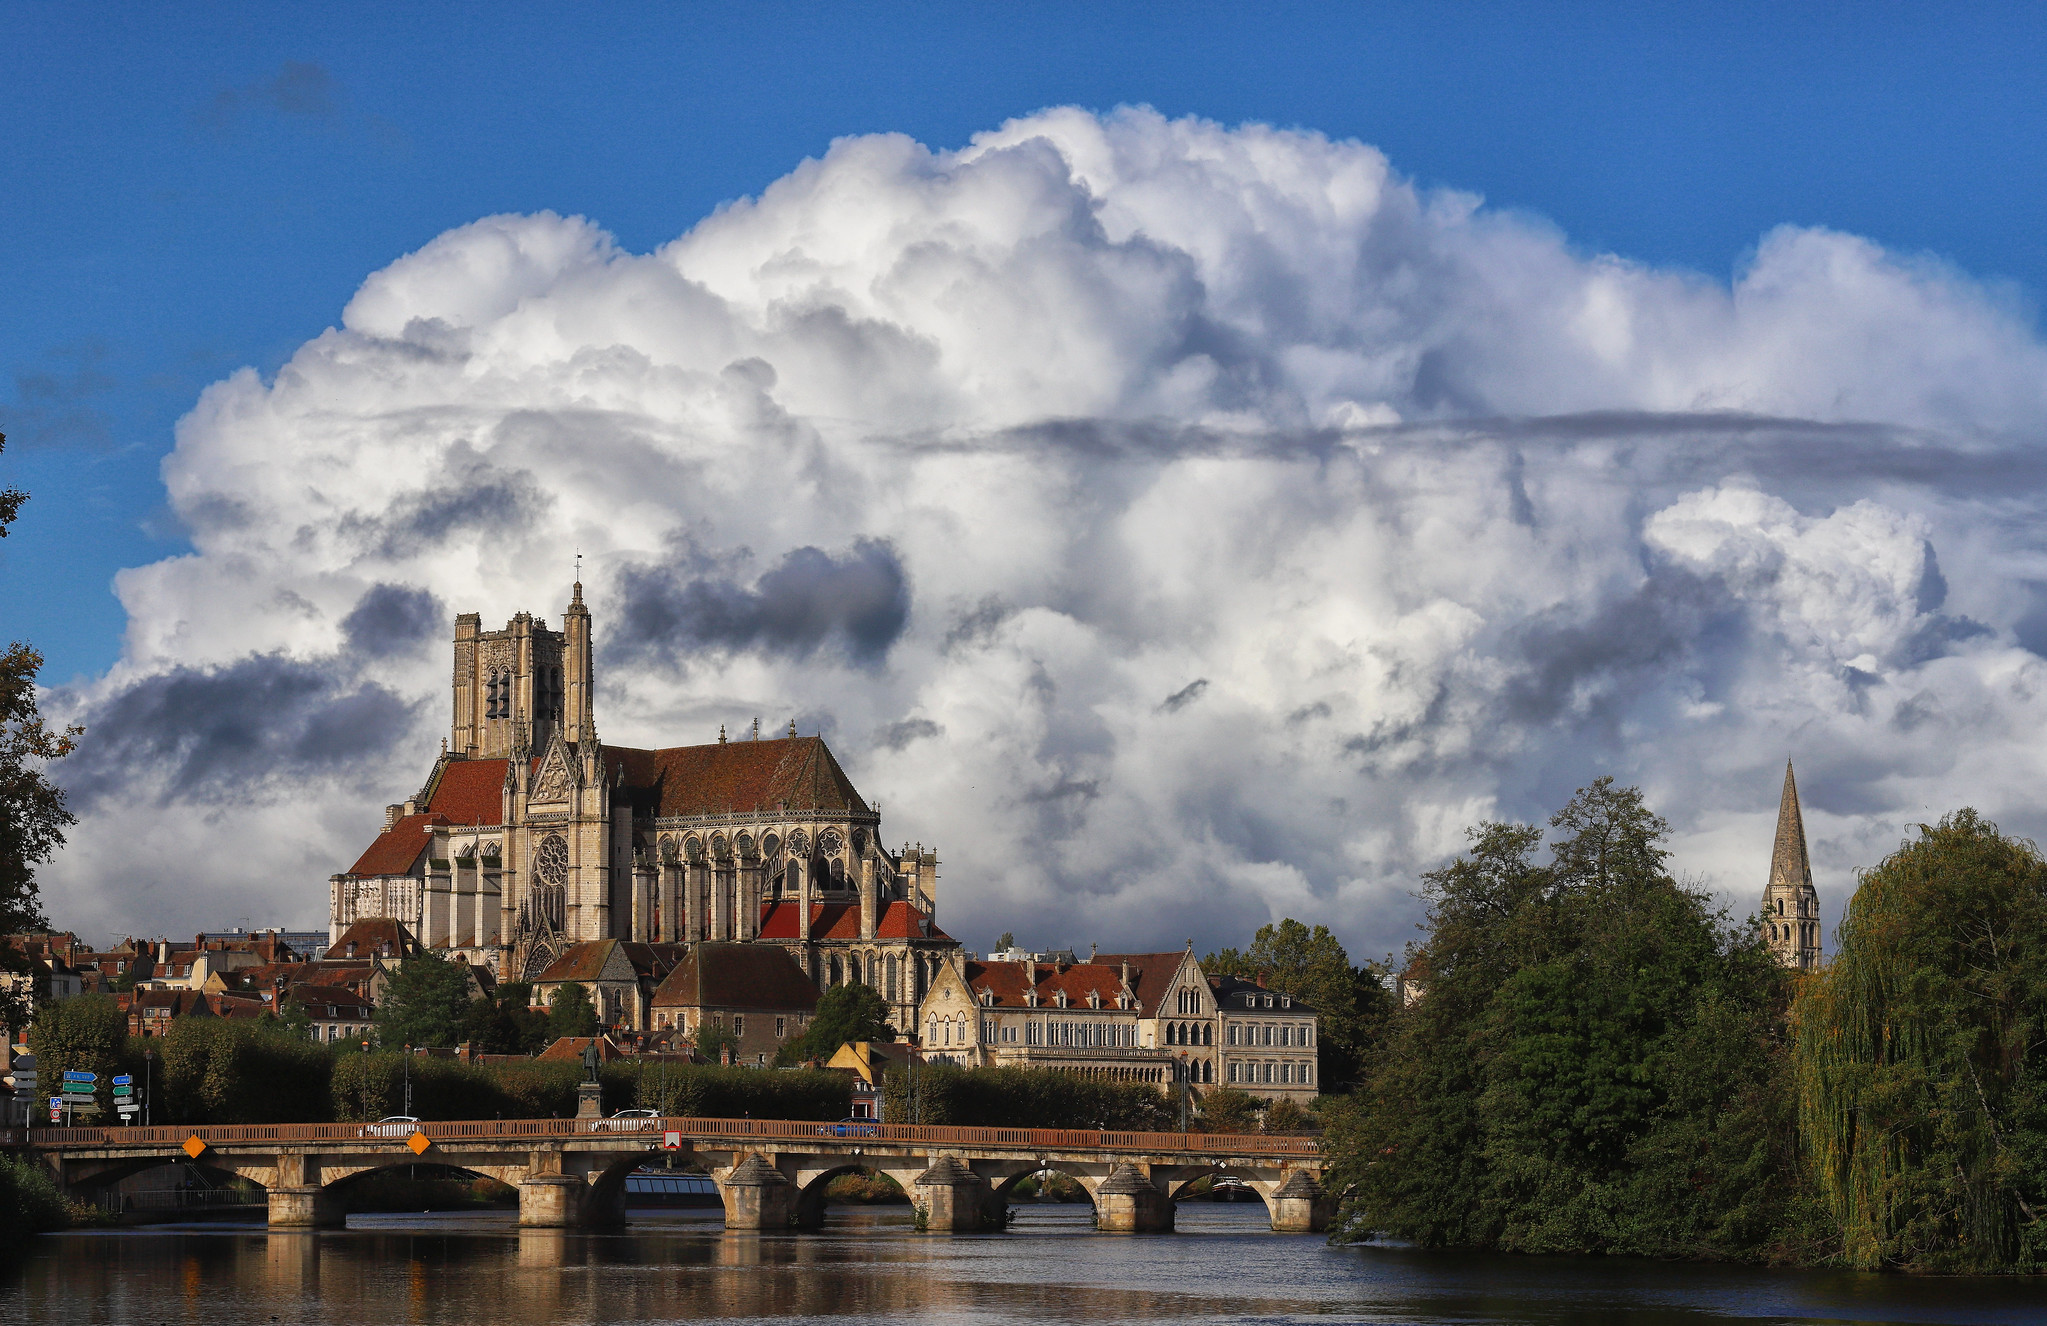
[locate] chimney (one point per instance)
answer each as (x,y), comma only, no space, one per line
(391,813)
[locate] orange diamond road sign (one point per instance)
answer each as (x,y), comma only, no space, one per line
(419,1143)
(193,1146)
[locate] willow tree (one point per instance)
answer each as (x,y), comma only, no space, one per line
(1920,1056)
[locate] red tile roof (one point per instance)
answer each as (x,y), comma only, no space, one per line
(841,920)
(1150,974)
(374,937)
(571,1047)
(1010,981)
(742,976)
(397,849)
(796,773)
(470,792)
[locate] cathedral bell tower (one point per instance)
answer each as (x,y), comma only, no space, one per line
(1791,905)
(509,685)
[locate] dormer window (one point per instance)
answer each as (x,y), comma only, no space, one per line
(1060,998)
(1094,999)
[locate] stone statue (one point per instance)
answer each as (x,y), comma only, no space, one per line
(590,1061)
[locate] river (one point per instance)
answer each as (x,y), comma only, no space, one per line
(868,1264)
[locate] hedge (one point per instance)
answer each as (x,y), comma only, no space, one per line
(1027,1098)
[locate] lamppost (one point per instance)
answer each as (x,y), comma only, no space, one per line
(148,1084)
(1180,1080)
(408,1079)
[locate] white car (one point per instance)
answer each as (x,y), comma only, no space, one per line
(392,1125)
(626,1121)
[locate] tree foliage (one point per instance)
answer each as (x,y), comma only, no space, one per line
(1351,1003)
(505,1022)
(426,1003)
(88,1034)
(1922,1082)
(1024,1098)
(240,1070)
(845,1013)
(1595,1064)
(570,1012)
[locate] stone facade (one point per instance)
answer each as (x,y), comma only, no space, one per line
(1140,1017)
(531,835)
(1791,905)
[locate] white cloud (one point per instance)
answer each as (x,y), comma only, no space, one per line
(1412,512)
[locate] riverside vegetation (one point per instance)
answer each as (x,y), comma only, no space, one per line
(1600,1061)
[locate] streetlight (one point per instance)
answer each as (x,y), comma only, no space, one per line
(148,1084)
(408,1079)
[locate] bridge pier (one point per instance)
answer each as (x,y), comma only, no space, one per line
(1129,1203)
(953,1197)
(1299,1206)
(552,1201)
(758,1197)
(296,1198)
(305,1206)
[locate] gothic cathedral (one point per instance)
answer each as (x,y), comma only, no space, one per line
(531,835)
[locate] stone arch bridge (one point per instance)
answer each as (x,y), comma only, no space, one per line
(771,1174)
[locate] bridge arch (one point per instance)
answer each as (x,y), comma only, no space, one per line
(1187,1176)
(812,1199)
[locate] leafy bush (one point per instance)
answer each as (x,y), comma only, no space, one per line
(87,1034)
(845,1013)
(1286,1116)
(216,1070)
(29,1204)
(1026,1098)
(1230,1110)
(704,1091)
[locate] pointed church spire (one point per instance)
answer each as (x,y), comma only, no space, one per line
(1788,861)
(579,719)
(1791,905)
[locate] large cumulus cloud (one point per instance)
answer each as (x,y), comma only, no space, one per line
(1178,525)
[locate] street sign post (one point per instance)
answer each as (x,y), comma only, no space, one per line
(79,1075)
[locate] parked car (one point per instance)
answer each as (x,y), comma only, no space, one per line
(849,1127)
(392,1125)
(627,1121)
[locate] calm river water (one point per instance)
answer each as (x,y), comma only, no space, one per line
(869,1265)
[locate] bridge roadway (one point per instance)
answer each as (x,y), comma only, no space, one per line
(771,1174)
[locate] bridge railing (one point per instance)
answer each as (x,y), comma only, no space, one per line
(693,1130)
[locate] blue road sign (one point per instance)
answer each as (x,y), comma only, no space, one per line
(73,1075)
(123,1080)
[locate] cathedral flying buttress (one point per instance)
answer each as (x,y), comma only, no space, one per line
(531,837)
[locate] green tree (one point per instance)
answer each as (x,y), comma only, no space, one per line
(1230,1110)
(1351,1003)
(1595,1064)
(33,816)
(425,1003)
(713,1041)
(87,1034)
(241,1071)
(845,1013)
(570,1012)
(1922,1079)
(505,1023)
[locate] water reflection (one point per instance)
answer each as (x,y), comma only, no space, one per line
(869,1264)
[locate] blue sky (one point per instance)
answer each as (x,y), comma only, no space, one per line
(1290,516)
(184,190)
